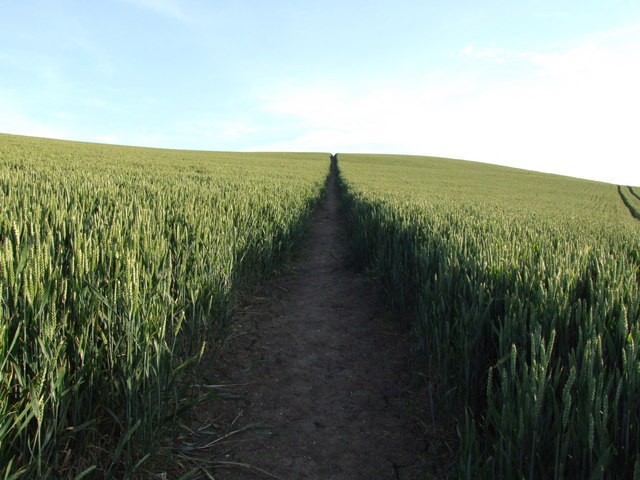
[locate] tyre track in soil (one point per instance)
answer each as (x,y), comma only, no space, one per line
(323,369)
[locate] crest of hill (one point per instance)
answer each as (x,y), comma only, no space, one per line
(485,186)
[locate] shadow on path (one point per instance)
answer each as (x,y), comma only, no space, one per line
(322,369)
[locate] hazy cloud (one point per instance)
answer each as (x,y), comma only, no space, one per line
(170,8)
(571,112)
(11,121)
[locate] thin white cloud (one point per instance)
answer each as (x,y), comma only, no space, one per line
(98,57)
(499,55)
(223,131)
(170,8)
(19,124)
(552,15)
(64,116)
(574,112)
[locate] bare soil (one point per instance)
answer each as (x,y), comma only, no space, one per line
(322,371)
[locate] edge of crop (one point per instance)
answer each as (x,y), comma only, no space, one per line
(384,242)
(399,295)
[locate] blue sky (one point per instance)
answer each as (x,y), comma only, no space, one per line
(545,85)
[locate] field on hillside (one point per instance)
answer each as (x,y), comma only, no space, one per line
(117,266)
(522,293)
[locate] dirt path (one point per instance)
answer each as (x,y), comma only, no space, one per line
(324,371)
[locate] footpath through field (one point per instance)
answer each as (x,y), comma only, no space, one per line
(323,370)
